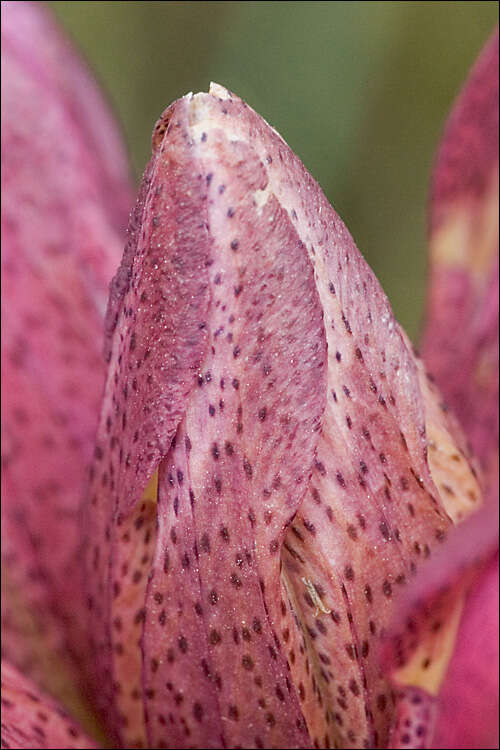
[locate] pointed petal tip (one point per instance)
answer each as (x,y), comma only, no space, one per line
(221,92)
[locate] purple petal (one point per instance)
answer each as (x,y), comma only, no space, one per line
(215,355)
(236,275)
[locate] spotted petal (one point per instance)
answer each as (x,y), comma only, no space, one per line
(228,437)
(216,382)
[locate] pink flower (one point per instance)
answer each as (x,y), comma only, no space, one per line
(264,553)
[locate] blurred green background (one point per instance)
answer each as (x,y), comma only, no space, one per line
(359,90)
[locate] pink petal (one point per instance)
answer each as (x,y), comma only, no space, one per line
(464,297)
(48,57)
(468,702)
(461,347)
(236,276)
(455,568)
(196,355)
(60,157)
(461,339)
(30,719)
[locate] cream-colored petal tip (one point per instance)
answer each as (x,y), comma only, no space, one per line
(219,91)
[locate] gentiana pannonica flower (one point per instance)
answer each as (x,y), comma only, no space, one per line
(238,510)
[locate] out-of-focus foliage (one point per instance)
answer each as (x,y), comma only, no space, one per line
(360,91)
